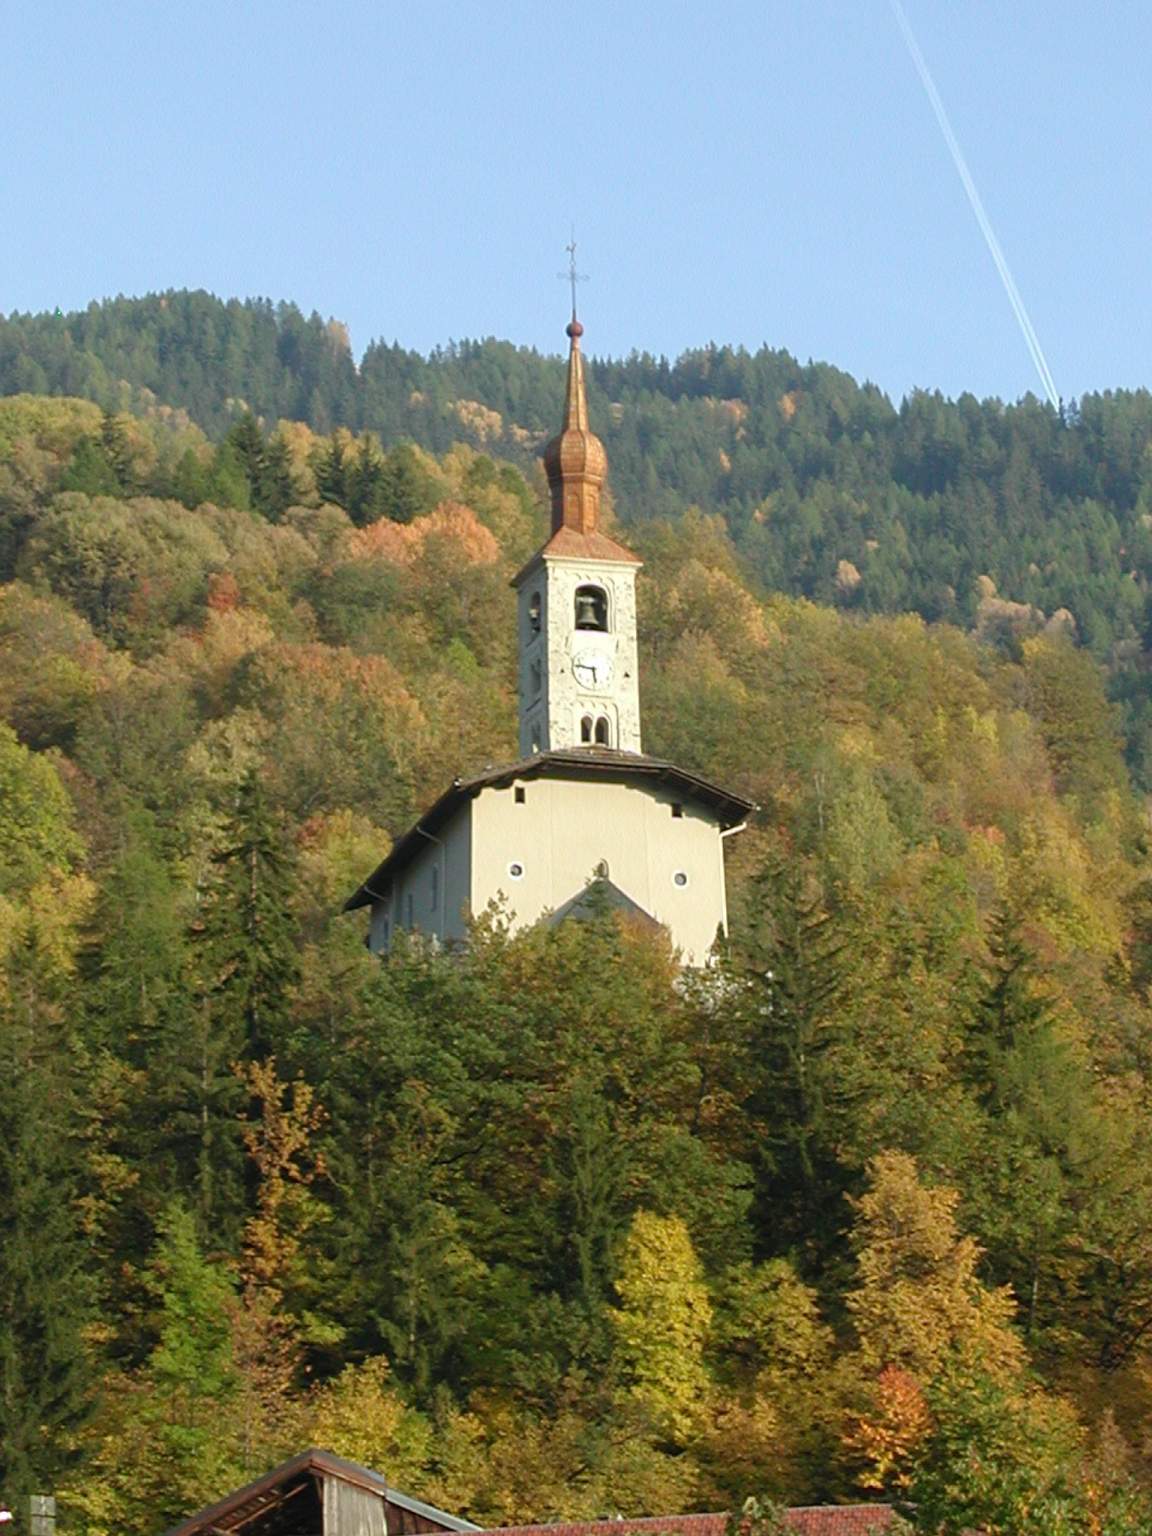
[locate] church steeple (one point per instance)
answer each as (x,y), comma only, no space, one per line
(575,460)
(578,662)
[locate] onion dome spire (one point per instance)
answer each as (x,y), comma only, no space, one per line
(575,459)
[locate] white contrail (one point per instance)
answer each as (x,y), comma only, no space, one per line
(1031,339)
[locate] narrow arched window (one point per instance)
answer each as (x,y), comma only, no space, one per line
(534,613)
(591,608)
(603,732)
(586,729)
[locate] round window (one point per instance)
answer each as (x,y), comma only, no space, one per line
(516,871)
(680,878)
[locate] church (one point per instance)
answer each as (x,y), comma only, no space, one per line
(583,819)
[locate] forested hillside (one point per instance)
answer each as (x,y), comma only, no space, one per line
(979,513)
(548,1229)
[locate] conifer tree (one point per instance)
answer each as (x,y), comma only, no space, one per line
(1045,1140)
(46,1293)
(247,938)
(247,442)
(45,1289)
(89,471)
(191,480)
(228,483)
(118,453)
(276,489)
(409,490)
(367,482)
(334,472)
(793,1024)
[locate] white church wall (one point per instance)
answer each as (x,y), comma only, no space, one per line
(539,852)
(432,894)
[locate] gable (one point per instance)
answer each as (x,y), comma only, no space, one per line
(599,896)
(317,1491)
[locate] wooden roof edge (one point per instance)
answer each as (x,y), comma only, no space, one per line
(327,1464)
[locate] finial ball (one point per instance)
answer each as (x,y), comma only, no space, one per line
(574,329)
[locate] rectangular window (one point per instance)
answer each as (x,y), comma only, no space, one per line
(435,887)
(520,795)
(677,809)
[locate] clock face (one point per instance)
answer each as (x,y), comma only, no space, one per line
(592,669)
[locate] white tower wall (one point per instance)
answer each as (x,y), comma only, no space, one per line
(574,680)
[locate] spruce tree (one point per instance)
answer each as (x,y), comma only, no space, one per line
(276,489)
(191,481)
(334,473)
(791,1005)
(89,471)
(118,453)
(247,443)
(228,482)
(366,484)
(45,1293)
(248,938)
(409,491)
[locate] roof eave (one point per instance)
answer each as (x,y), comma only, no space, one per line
(730,809)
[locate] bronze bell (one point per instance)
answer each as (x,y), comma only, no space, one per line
(587,611)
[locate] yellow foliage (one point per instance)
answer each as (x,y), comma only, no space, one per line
(663,1321)
(480,419)
(918,1298)
(360,1415)
(335,851)
(301,443)
(48,918)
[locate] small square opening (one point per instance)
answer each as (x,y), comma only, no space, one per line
(521,795)
(677,809)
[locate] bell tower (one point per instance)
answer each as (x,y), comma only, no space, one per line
(583,819)
(579,684)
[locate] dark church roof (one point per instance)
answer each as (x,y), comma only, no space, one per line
(575,762)
(288,1500)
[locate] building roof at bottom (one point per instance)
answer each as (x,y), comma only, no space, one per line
(812,1520)
(575,762)
(255,1507)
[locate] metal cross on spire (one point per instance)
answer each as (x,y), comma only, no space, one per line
(572,276)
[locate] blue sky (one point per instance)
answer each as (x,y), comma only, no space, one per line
(737,172)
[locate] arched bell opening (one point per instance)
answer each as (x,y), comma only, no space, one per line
(586,730)
(603,736)
(591,608)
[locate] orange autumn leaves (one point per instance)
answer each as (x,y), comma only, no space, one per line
(451,524)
